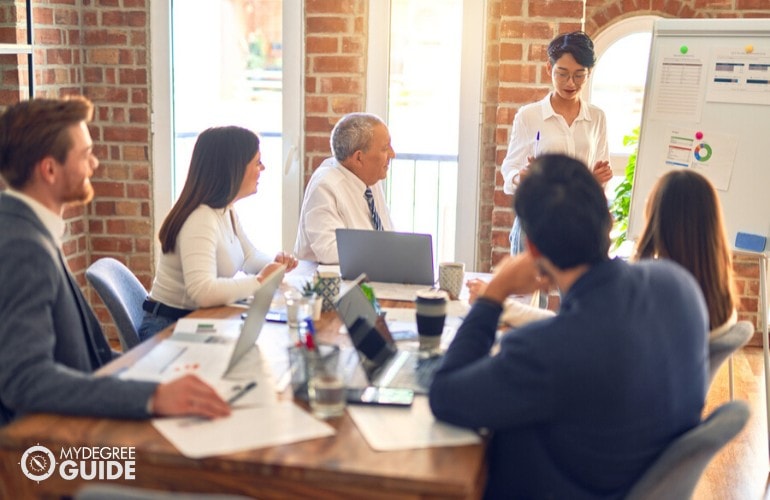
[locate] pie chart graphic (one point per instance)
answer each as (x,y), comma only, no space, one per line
(702,152)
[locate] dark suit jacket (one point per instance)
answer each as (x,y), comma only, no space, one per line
(50,340)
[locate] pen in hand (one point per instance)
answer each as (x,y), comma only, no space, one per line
(243,390)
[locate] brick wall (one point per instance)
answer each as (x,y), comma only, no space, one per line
(335,62)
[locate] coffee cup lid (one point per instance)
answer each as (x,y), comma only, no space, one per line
(432,294)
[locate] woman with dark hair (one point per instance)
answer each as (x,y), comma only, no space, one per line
(207,258)
(685,224)
(562,122)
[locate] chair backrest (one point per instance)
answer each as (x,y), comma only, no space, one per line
(721,347)
(123,295)
(676,472)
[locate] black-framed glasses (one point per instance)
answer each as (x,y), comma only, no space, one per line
(563,77)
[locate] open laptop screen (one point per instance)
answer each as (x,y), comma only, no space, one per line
(386,256)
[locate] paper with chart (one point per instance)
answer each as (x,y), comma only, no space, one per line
(709,153)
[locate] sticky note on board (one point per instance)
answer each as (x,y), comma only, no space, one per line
(748,241)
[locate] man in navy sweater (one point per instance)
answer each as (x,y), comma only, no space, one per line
(582,403)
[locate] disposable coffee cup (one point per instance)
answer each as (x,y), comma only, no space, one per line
(430,309)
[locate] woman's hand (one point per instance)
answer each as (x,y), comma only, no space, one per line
(602,172)
(287,260)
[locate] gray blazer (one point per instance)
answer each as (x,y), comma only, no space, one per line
(50,340)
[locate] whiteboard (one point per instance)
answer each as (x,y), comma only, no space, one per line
(707,107)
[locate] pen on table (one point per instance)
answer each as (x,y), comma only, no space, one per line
(537,143)
(243,390)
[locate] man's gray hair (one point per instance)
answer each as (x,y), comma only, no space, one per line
(354,131)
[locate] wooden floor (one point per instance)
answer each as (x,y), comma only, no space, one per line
(740,471)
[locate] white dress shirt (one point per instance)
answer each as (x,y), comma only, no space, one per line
(585,140)
(334,198)
(213,263)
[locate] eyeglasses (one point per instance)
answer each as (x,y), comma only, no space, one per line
(577,77)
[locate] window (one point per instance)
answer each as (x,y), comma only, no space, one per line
(429,94)
(618,79)
(217,62)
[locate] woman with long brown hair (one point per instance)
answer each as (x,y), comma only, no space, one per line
(207,259)
(685,224)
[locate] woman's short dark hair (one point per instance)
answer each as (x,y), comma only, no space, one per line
(564,212)
(578,44)
(216,172)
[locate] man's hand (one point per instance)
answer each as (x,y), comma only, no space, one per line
(515,275)
(476,288)
(188,395)
(602,172)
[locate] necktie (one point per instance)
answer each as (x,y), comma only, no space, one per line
(376,222)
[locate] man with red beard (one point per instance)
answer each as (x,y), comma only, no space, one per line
(50,340)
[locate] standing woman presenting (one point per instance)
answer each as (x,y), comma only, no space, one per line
(562,122)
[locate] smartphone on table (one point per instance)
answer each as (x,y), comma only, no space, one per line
(387,396)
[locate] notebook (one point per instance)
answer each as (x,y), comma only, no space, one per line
(383,362)
(386,256)
(205,352)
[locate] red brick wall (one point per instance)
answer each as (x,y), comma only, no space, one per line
(335,62)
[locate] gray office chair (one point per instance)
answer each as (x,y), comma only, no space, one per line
(123,295)
(675,473)
(723,346)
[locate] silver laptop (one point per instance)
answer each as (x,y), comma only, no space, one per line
(386,256)
(384,364)
(212,356)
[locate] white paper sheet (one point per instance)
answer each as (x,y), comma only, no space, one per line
(244,429)
(393,428)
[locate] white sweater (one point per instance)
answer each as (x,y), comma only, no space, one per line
(213,263)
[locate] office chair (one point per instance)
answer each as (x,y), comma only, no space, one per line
(123,295)
(675,473)
(723,346)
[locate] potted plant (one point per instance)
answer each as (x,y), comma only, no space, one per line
(622,203)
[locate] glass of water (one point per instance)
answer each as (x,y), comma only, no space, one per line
(326,384)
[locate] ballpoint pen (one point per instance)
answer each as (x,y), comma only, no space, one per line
(537,143)
(243,390)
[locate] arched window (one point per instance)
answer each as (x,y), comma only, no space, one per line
(618,80)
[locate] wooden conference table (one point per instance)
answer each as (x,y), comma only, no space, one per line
(335,467)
